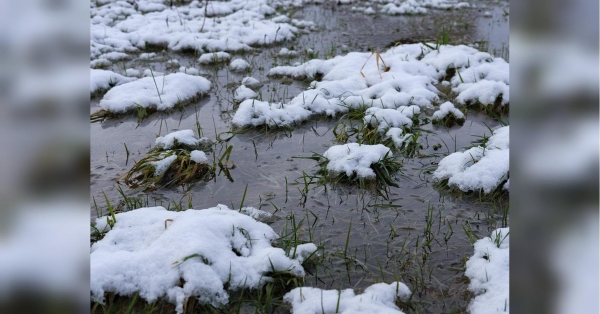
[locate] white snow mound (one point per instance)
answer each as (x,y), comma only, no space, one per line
(153,251)
(185,137)
(478,167)
(355,158)
(239,65)
(446,109)
(402,76)
(104,80)
(173,88)
(488,270)
(377,299)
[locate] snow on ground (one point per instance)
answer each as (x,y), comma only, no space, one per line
(103,80)
(398,137)
(133,72)
(479,78)
(251,82)
(488,270)
(239,65)
(446,109)
(198,156)
(384,119)
(403,76)
(161,166)
(174,88)
(378,298)
(152,250)
(478,167)
(185,137)
(284,52)
(405,7)
(242,93)
(125,27)
(190,71)
(214,57)
(355,158)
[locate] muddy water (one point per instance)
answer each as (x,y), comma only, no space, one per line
(386,236)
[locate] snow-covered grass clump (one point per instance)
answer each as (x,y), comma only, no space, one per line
(251,82)
(242,93)
(488,270)
(404,75)
(178,158)
(170,255)
(154,93)
(378,298)
(190,71)
(214,57)
(390,127)
(126,27)
(407,7)
(448,115)
(180,139)
(102,80)
(358,164)
(239,65)
(287,53)
(483,167)
(480,79)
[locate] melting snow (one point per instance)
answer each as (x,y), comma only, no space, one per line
(355,158)
(174,88)
(488,270)
(152,251)
(378,298)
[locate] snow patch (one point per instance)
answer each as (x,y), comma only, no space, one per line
(488,270)
(446,109)
(185,137)
(356,159)
(478,167)
(239,65)
(151,250)
(378,298)
(174,88)
(104,79)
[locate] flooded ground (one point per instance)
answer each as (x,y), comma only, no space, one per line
(417,236)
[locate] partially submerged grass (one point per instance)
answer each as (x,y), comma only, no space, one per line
(448,121)
(384,169)
(495,110)
(498,194)
(181,171)
(351,125)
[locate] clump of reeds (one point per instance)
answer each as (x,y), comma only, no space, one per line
(351,125)
(384,169)
(181,170)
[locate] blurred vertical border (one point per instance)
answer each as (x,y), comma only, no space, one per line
(44,165)
(555,157)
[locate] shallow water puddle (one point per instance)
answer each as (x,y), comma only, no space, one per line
(415,236)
